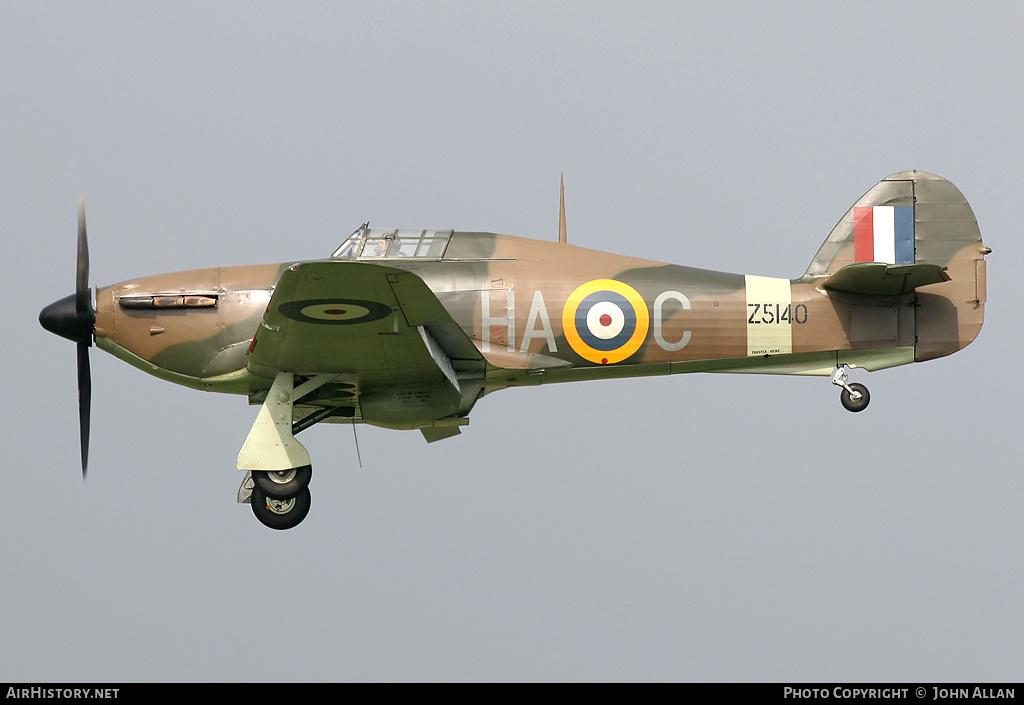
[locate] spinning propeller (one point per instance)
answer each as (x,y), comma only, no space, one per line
(73,318)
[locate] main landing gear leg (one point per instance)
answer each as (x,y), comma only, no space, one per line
(854,397)
(278,465)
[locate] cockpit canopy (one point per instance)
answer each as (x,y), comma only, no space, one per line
(375,243)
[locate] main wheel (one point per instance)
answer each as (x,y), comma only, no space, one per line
(280,513)
(857,401)
(283,484)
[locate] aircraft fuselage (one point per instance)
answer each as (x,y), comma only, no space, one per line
(559,313)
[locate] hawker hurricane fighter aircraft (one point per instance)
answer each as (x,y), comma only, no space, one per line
(407,329)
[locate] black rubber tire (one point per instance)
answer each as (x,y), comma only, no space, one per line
(272,487)
(859,404)
(280,513)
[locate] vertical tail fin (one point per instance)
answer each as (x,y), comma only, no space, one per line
(921,228)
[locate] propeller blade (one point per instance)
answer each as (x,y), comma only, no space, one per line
(84,402)
(82,303)
(73,318)
(83,306)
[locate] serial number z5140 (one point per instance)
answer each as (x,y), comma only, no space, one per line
(769,313)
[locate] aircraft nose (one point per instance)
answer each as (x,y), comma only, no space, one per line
(66,319)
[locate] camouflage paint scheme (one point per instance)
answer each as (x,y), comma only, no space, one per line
(508,295)
(413,327)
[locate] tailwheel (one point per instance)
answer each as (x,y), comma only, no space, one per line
(283,484)
(855,397)
(280,513)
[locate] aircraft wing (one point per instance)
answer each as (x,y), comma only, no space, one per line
(382,324)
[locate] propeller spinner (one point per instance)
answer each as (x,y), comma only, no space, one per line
(73,318)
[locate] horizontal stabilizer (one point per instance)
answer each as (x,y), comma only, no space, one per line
(885,279)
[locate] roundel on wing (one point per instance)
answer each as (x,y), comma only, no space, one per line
(605,321)
(334,311)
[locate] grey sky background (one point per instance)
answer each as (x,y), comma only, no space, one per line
(698,527)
